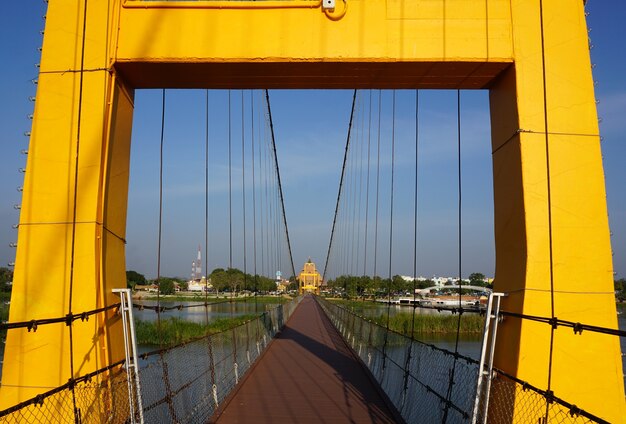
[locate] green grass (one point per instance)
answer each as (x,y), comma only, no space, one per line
(434,324)
(424,323)
(174,330)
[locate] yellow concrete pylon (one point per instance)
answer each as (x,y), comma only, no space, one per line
(553,251)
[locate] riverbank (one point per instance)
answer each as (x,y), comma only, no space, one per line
(172,331)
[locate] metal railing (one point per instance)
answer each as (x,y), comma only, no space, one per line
(184,383)
(416,378)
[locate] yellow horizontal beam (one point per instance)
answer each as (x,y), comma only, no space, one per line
(378,43)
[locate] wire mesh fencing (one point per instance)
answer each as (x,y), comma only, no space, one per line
(415,376)
(184,383)
(430,384)
(513,400)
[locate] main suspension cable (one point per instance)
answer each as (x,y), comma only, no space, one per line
(280,187)
(341,179)
(160,216)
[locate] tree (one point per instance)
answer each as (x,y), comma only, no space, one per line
(166,286)
(6,276)
(219,279)
(133,278)
(477,279)
(620,289)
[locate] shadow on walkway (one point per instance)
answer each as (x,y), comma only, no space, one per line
(307,375)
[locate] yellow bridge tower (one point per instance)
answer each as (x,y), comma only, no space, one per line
(551,224)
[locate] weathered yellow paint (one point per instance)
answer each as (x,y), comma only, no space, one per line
(495,44)
(586,369)
(36,361)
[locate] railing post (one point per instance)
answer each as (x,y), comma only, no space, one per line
(130,350)
(487,370)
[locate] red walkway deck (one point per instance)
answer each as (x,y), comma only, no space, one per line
(307,375)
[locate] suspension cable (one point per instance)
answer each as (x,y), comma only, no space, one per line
(367,189)
(341,179)
(75,205)
(254,244)
(377,188)
(415,211)
(230,188)
(393,158)
(549,196)
(206,207)
(243,188)
(280,187)
(160,232)
(459,194)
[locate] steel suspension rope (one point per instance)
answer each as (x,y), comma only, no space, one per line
(206,238)
(168,389)
(415,211)
(360,187)
(361,142)
(377,188)
(549,195)
(415,215)
(75,205)
(341,179)
(243,188)
(280,188)
(367,189)
(349,223)
(254,244)
(460,256)
(160,229)
(390,281)
(206,207)
(353,196)
(267,210)
(261,197)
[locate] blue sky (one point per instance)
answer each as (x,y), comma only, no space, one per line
(310,131)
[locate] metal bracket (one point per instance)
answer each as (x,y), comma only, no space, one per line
(328,4)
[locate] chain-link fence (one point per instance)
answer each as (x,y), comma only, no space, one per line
(513,400)
(184,383)
(430,384)
(415,376)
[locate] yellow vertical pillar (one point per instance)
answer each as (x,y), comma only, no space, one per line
(553,254)
(73,216)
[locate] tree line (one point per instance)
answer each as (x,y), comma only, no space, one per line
(357,286)
(229,279)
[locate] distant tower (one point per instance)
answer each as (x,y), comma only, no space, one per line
(193,271)
(198,270)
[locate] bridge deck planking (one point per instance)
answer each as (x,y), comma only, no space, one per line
(307,375)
